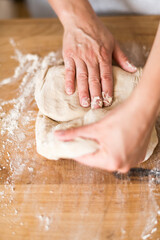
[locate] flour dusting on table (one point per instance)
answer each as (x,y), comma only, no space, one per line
(18,113)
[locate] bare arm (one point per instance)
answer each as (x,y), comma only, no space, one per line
(71,10)
(147,93)
(88,47)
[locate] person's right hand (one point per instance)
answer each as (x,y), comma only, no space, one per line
(88,48)
(122,137)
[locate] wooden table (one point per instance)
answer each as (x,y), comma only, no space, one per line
(42,199)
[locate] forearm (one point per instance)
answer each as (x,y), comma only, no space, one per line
(70,10)
(147,94)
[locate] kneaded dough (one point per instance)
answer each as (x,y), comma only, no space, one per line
(60,111)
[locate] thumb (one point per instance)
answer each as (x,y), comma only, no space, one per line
(86,131)
(122,59)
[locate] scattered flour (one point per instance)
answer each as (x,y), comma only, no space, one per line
(29,64)
(96,101)
(30,169)
(45,221)
(153,208)
(17,114)
(2,193)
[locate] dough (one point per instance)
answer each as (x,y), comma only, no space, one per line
(60,111)
(49,147)
(52,99)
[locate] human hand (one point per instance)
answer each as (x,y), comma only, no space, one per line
(88,48)
(123,136)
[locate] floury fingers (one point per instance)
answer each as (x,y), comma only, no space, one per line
(107,100)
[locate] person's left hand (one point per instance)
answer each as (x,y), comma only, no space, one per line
(88,48)
(123,136)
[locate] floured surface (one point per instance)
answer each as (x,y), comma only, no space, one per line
(62,199)
(62,111)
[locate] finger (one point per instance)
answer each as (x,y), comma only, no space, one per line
(93,160)
(106,82)
(124,169)
(99,159)
(82,83)
(122,60)
(69,75)
(94,85)
(72,133)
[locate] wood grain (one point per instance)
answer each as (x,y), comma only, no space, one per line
(63,199)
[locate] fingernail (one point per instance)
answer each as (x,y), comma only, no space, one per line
(107,100)
(69,91)
(85,102)
(96,103)
(131,66)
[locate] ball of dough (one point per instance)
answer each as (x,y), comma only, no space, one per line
(60,111)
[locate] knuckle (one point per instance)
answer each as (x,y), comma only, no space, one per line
(69,65)
(90,55)
(94,80)
(105,67)
(106,76)
(82,76)
(104,54)
(91,60)
(70,70)
(68,53)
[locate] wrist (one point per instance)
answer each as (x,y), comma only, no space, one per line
(73,12)
(80,19)
(145,103)
(148,92)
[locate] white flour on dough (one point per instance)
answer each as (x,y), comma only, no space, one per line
(61,111)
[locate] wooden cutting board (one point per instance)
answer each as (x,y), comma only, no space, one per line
(42,199)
